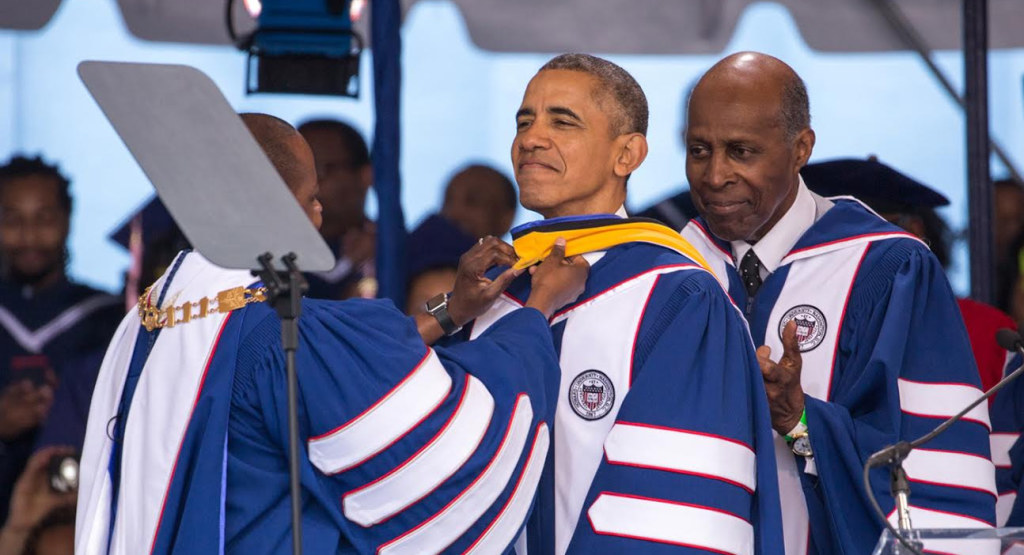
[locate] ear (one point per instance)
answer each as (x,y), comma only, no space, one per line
(802,147)
(366,176)
(631,154)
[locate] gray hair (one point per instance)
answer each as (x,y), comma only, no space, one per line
(796,107)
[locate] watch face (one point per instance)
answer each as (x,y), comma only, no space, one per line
(436,302)
(802,446)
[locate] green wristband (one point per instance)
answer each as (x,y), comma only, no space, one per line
(800,427)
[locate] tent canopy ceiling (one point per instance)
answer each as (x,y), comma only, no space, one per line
(606,26)
(706,26)
(26,16)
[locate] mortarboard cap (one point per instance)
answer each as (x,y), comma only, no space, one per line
(157,242)
(879,186)
(157,223)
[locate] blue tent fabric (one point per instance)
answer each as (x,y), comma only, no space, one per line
(386,19)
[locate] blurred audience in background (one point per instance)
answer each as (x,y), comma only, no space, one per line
(677,210)
(54,534)
(1011,283)
(480,201)
(345,175)
(47,322)
(1008,246)
(1007,216)
(434,249)
(42,519)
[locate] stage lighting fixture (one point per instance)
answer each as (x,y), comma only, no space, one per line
(301,47)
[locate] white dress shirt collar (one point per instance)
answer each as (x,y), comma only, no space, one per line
(781,238)
(593,257)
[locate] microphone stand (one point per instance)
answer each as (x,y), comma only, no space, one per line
(894,455)
(899,487)
(286,298)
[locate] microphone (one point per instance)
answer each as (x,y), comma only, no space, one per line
(1010,340)
(894,455)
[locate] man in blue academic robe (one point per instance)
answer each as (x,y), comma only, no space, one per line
(405,448)
(911,205)
(662,439)
(861,341)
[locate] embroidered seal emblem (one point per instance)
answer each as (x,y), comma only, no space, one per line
(810,326)
(592,395)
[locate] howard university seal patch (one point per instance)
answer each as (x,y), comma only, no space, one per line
(591,395)
(810,326)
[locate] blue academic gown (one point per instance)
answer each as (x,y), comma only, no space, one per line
(653,353)
(355,354)
(48,328)
(1007,413)
(52,328)
(889,359)
(65,425)
(374,403)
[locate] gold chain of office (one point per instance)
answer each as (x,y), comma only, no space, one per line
(225,301)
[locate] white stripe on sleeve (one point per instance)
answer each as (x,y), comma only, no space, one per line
(941,400)
(440,530)
(947,468)
(682,451)
(671,523)
(501,532)
(388,419)
(1001,443)
(428,468)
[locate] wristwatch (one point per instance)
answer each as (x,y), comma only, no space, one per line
(437,307)
(798,439)
(801,444)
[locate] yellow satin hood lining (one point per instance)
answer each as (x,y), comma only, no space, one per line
(535,246)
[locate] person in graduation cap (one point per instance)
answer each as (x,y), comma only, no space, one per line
(860,339)
(662,435)
(405,448)
(911,205)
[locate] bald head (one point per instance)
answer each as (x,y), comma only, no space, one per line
(767,76)
(747,136)
(277,138)
(290,156)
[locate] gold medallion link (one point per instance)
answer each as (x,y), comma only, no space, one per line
(224,302)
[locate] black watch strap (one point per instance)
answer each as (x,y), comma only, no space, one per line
(437,307)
